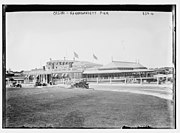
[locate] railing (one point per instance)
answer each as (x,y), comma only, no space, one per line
(139,80)
(119,80)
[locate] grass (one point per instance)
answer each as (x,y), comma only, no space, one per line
(71,108)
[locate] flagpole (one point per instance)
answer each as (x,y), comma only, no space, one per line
(95,58)
(75,55)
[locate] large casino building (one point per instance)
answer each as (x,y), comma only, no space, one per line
(117,70)
(59,71)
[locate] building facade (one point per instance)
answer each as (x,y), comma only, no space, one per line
(119,71)
(12,77)
(59,71)
(63,71)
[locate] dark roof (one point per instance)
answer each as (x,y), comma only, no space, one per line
(122,64)
(115,71)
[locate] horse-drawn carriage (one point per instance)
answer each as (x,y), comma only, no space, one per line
(81,84)
(40,84)
(15,84)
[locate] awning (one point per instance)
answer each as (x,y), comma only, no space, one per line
(63,74)
(52,72)
(16,78)
(160,75)
(66,75)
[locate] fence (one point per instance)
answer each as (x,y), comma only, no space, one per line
(140,80)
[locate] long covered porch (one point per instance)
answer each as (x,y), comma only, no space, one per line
(52,77)
(120,76)
(115,74)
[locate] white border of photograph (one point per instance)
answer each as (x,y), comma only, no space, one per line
(103,2)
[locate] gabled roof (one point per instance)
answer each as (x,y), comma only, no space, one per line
(122,64)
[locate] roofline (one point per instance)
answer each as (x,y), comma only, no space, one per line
(125,62)
(63,60)
(52,72)
(73,61)
(116,71)
(109,68)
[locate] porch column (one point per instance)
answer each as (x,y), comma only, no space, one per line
(34,78)
(39,77)
(43,78)
(51,78)
(46,78)
(157,80)
(125,81)
(140,80)
(28,78)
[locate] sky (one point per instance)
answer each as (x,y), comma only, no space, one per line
(32,38)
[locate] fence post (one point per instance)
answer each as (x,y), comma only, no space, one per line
(97,80)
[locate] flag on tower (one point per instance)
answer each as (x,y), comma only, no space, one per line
(76,55)
(95,57)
